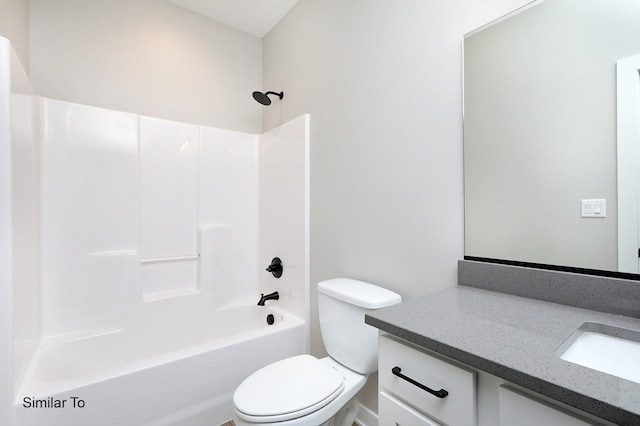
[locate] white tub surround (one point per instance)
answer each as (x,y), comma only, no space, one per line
(168,207)
(19,231)
(284,201)
(135,259)
(126,214)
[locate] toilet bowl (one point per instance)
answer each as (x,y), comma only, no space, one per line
(298,391)
(306,391)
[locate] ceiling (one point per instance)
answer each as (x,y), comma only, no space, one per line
(255,17)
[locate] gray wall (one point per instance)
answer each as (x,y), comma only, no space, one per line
(149,57)
(383,84)
(14,25)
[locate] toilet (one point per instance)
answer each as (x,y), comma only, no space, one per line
(307,391)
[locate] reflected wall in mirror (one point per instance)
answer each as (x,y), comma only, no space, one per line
(540,132)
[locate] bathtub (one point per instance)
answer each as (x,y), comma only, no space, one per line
(155,370)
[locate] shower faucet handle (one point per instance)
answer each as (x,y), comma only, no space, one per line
(276,267)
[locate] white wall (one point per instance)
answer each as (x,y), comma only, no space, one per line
(383,83)
(14,25)
(148,57)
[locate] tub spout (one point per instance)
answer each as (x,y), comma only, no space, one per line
(270,296)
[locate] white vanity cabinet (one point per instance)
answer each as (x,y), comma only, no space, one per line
(438,390)
(474,398)
(518,409)
(396,413)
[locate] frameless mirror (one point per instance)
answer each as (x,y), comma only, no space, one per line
(541,117)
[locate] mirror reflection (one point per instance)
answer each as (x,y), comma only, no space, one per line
(540,136)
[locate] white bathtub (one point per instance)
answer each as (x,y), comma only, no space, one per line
(163,371)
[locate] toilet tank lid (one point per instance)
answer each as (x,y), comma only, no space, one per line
(358,293)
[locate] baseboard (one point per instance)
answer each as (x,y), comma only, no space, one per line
(366,417)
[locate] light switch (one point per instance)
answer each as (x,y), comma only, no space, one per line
(594,208)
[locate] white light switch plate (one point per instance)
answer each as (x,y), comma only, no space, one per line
(594,208)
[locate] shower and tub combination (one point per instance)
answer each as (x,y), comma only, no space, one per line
(135,260)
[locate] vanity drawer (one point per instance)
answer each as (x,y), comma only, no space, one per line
(395,413)
(457,408)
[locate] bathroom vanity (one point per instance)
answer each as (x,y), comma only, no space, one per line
(498,354)
(545,107)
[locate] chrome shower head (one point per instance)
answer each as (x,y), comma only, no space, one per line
(264,99)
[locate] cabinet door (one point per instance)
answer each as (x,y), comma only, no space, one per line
(392,412)
(457,408)
(517,409)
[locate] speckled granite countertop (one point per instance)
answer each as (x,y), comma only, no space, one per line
(514,338)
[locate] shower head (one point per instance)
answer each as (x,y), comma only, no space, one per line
(263,98)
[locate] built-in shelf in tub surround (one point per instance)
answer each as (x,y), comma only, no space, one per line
(514,338)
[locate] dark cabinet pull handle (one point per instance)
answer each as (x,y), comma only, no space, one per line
(438,393)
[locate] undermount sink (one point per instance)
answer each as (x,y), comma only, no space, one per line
(605,348)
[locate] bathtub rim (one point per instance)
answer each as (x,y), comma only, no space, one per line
(34,387)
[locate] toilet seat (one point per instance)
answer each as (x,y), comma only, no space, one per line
(287,389)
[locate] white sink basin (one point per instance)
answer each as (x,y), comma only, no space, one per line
(605,348)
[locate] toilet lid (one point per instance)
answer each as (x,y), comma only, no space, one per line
(288,389)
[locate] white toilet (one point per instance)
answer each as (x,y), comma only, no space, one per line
(306,391)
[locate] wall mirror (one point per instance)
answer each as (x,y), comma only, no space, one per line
(543,103)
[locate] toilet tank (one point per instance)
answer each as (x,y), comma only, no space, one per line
(342,303)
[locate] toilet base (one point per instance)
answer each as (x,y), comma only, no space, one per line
(346,416)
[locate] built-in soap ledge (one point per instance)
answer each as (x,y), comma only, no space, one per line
(171,276)
(170,259)
(210,271)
